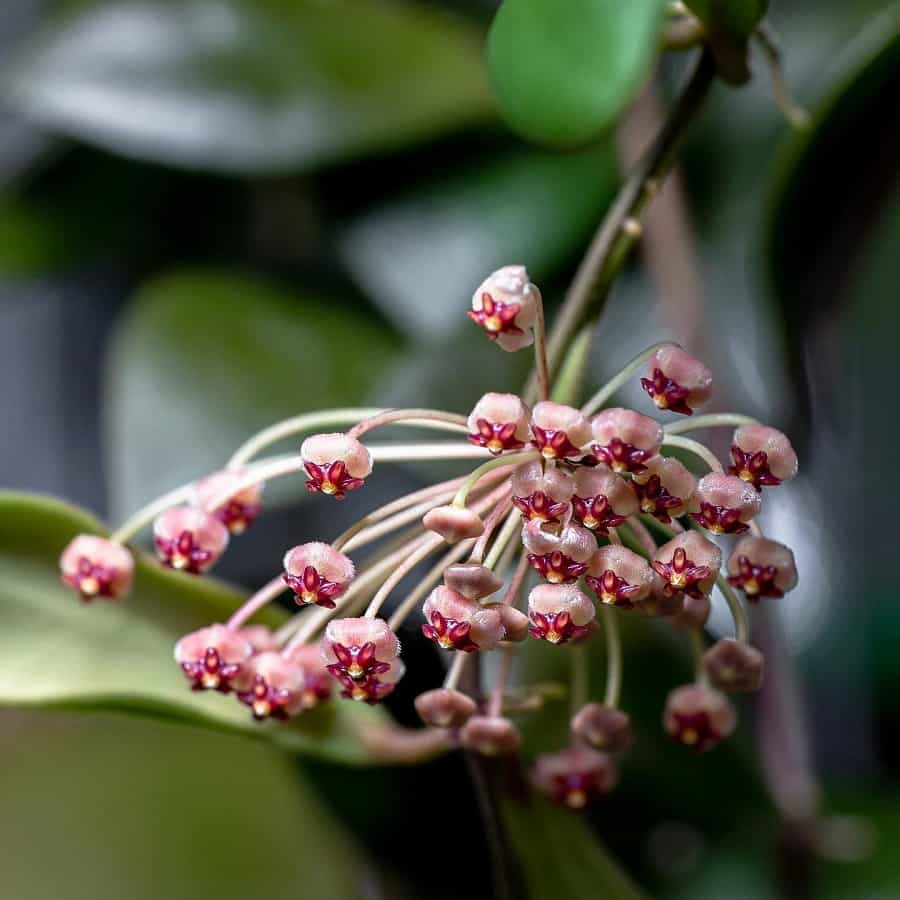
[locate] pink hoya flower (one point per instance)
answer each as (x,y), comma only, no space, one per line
(515,623)
(619,576)
(276,687)
(215,659)
(687,564)
(762,568)
(559,431)
(499,422)
(242,507)
(575,776)
(678,381)
(490,736)
(624,439)
(472,580)
(664,488)
(734,666)
(603,727)
(335,463)
(505,306)
(96,567)
(602,500)
(559,556)
(362,655)
(317,574)
(724,504)
(453,523)
(189,539)
(260,637)
(445,708)
(762,456)
(317,680)
(540,494)
(698,717)
(559,613)
(455,622)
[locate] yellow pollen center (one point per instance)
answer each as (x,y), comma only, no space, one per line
(493,323)
(619,467)
(262,707)
(238,526)
(554,577)
(179,561)
(210,680)
(445,642)
(661,401)
(308,699)
(554,637)
(745,475)
(716,529)
(678,580)
(355,670)
(548,452)
(609,599)
(89,585)
(576,799)
(359,693)
(648,506)
(689,736)
(308,597)
(751,586)
(590,522)
(495,446)
(329,488)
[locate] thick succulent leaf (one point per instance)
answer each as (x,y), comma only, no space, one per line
(58,652)
(564,72)
(560,856)
(249,86)
(829,187)
(133,808)
(729,26)
(420,255)
(203,359)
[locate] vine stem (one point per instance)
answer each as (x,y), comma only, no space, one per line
(541,369)
(455,671)
(261,598)
(510,526)
(579,691)
(146,514)
(610,246)
(511,459)
(614,383)
(490,526)
(435,418)
(712,420)
(695,447)
(738,613)
(698,648)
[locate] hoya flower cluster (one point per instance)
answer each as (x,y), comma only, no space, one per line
(569,518)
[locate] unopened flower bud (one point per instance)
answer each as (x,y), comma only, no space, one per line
(362,655)
(189,539)
(453,523)
(678,381)
(664,489)
(559,431)
(603,727)
(504,306)
(455,622)
(96,567)
(445,708)
(734,666)
(602,499)
(762,456)
(335,463)
(619,576)
(574,777)
(472,580)
(698,717)
(724,504)
(215,659)
(499,422)
(276,687)
(559,557)
(542,495)
(688,564)
(515,622)
(241,508)
(559,613)
(490,736)
(624,439)
(317,574)
(762,568)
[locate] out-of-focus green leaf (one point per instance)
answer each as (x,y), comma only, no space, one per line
(143,810)
(57,652)
(203,359)
(249,86)
(564,72)
(421,255)
(559,855)
(830,181)
(729,26)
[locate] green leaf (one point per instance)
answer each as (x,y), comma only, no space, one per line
(57,652)
(250,86)
(205,358)
(564,72)
(420,255)
(729,27)
(559,854)
(145,810)
(829,185)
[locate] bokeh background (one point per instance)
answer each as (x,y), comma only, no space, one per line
(215,213)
